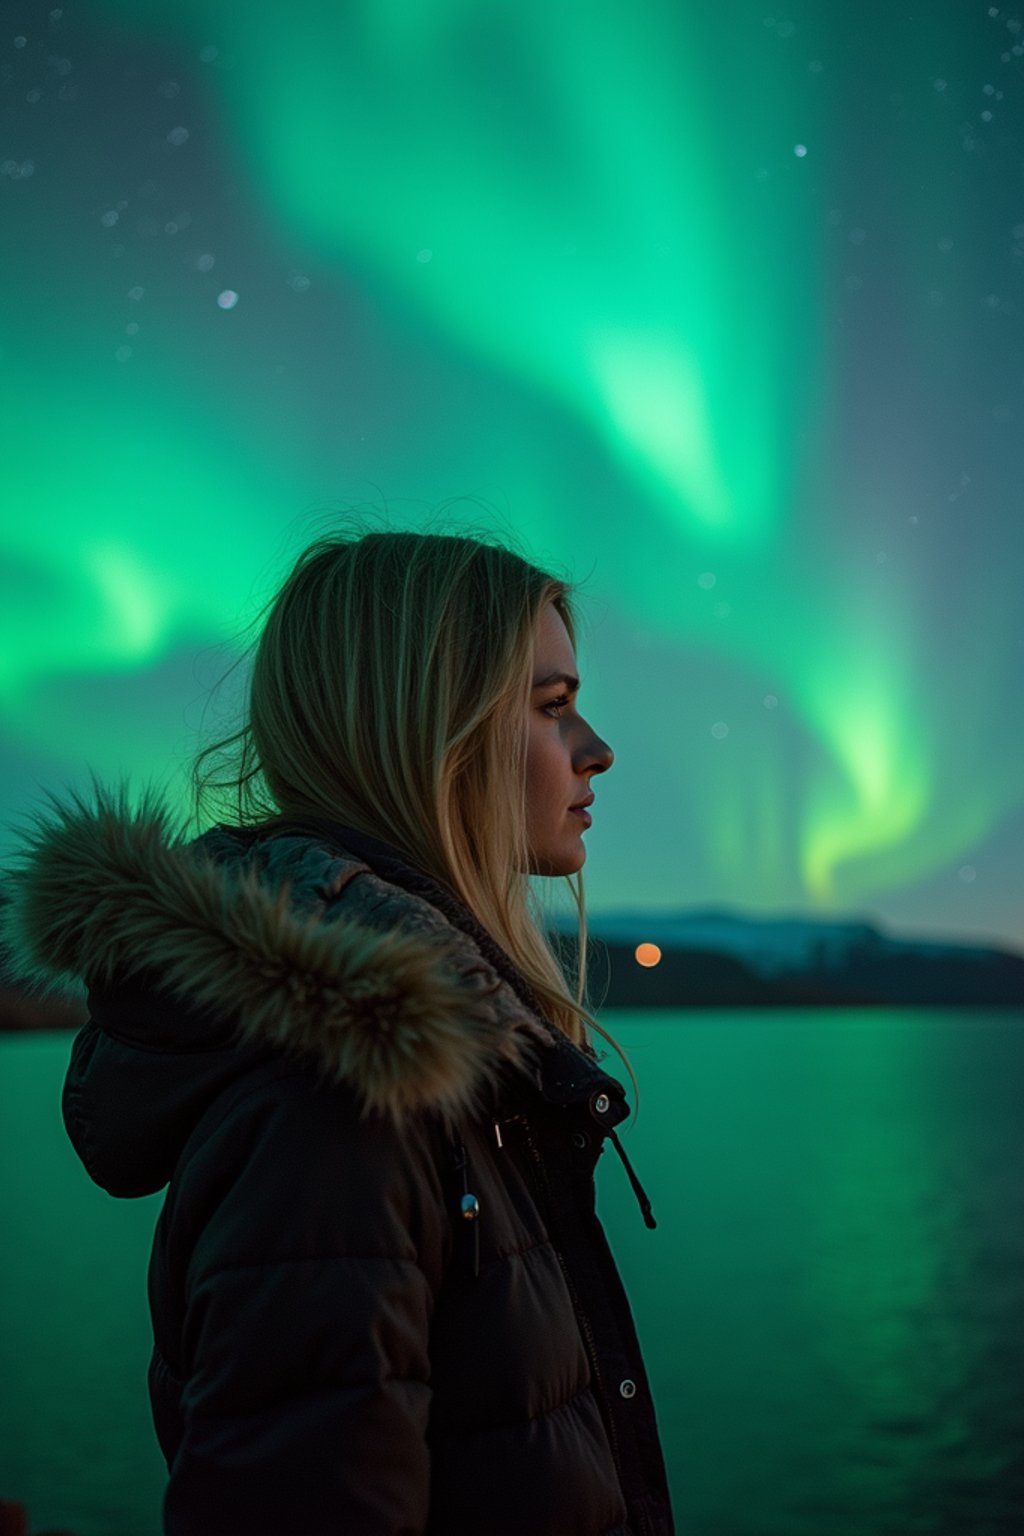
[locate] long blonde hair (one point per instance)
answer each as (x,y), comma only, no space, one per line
(388,692)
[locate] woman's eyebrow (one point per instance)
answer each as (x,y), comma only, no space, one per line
(573,683)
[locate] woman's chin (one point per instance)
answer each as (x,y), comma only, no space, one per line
(563,861)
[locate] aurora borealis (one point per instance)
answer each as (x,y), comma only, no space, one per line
(718,306)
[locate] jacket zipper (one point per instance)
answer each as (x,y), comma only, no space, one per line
(581,1315)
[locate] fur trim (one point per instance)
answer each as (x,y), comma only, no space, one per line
(411,1019)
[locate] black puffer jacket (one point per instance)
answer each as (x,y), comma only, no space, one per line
(382,1300)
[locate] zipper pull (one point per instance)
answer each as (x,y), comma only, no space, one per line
(469,1207)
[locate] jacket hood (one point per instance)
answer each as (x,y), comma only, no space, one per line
(201,957)
(226,942)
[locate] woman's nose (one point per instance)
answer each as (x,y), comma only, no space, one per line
(599,755)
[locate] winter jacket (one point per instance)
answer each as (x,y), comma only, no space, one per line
(382,1301)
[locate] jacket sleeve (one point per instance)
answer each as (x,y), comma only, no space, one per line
(315,1244)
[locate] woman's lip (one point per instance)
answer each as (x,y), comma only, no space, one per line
(582,814)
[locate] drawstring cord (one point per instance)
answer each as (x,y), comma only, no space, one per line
(638,1189)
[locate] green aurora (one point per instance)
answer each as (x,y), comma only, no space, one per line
(720,309)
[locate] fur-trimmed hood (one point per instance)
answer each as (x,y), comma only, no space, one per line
(201,957)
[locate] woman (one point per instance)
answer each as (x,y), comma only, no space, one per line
(382,1300)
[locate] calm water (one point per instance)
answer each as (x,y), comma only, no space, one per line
(832,1306)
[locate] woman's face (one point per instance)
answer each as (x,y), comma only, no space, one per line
(562,754)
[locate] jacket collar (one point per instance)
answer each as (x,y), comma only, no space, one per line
(565,1075)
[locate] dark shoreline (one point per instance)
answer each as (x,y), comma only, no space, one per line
(865,975)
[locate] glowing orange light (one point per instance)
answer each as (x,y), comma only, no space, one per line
(647,954)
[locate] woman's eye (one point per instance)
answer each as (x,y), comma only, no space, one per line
(558,703)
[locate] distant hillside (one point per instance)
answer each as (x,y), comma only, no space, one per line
(718,958)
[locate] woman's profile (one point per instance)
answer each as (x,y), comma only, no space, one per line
(332,1026)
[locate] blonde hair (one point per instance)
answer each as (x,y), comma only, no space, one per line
(389,692)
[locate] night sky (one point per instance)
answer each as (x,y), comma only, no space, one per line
(721,311)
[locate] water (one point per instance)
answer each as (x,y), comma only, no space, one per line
(832,1305)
